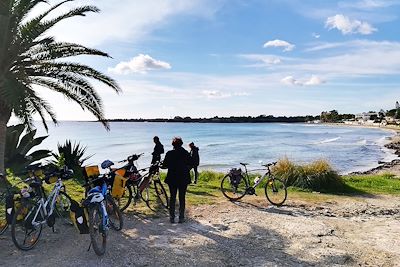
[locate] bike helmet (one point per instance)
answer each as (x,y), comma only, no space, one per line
(106,164)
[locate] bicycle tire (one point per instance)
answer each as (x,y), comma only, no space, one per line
(124,202)
(226,186)
(24,210)
(96,229)
(161,193)
(3,214)
(63,207)
(150,197)
(275,191)
(114,214)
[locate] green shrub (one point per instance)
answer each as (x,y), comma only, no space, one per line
(315,176)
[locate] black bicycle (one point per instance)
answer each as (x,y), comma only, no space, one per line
(236,184)
(144,184)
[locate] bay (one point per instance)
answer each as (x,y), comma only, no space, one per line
(223,146)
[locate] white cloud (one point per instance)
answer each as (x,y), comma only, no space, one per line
(127,20)
(139,64)
(265,60)
(290,80)
(280,43)
(215,94)
(348,26)
(369,4)
(316,35)
(314,80)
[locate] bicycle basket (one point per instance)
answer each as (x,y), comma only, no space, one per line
(236,176)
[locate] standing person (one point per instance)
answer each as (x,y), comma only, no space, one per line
(158,150)
(194,153)
(178,162)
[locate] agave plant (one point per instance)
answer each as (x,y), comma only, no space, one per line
(19,143)
(71,155)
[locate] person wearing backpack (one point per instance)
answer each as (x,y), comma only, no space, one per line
(194,153)
(157,151)
(178,162)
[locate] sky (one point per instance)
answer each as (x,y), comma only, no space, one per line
(206,58)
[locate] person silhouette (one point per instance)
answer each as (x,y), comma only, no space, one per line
(178,162)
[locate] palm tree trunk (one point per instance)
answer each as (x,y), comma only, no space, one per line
(5,115)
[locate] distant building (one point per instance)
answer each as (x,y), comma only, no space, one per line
(366,116)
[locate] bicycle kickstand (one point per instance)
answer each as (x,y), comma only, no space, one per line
(90,245)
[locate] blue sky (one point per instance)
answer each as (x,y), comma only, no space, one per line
(205,58)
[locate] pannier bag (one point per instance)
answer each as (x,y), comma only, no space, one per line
(236,176)
(13,203)
(79,217)
(118,187)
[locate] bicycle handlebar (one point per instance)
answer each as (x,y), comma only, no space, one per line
(133,157)
(270,164)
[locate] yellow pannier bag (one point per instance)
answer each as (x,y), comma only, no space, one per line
(118,187)
(79,217)
(92,171)
(121,172)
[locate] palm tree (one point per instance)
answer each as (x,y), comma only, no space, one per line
(30,58)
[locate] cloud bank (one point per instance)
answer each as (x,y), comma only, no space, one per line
(139,64)
(349,26)
(280,43)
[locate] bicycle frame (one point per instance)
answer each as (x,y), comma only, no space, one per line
(43,205)
(265,175)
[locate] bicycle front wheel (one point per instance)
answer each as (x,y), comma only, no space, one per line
(24,234)
(97,230)
(275,191)
(233,190)
(114,214)
(126,199)
(161,193)
(3,214)
(63,207)
(150,197)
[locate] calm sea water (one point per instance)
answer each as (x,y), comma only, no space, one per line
(223,146)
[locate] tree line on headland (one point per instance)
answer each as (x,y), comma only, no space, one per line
(331,116)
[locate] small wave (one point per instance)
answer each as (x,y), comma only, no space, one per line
(330,140)
(362,142)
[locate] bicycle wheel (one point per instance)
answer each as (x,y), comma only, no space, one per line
(98,233)
(126,199)
(275,191)
(3,214)
(233,191)
(25,235)
(161,193)
(150,197)
(114,214)
(63,207)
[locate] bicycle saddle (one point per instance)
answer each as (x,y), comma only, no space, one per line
(244,164)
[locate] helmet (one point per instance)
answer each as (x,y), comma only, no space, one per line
(95,197)
(107,164)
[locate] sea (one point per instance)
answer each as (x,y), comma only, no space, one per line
(224,145)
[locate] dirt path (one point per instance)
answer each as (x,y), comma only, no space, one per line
(349,231)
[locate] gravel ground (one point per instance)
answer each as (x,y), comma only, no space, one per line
(347,231)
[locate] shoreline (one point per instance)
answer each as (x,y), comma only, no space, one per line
(393,145)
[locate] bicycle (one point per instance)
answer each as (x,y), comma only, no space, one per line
(146,185)
(36,209)
(103,213)
(236,185)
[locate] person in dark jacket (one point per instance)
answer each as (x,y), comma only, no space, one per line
(158,150)
(194,153)
(178,162)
